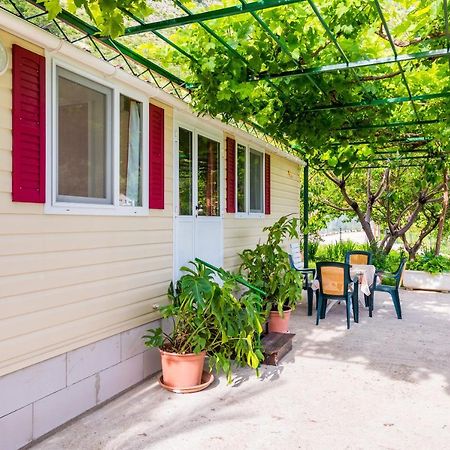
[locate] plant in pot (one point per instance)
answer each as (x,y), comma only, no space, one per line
(207,320)
(267,267)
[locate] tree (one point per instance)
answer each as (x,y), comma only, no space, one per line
(397,199)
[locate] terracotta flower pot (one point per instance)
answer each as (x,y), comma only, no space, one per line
(279,324)
(182,371)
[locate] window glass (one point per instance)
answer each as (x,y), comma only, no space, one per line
(256,181)
(208,177)
(130,152)
(241,178)
(83,155)
(185,172)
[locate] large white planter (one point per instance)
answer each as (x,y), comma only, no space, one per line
(417,279)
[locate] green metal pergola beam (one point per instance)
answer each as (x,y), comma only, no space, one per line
(406,140)
(159,35)
(230,49)
(380,102)
(392,44)
(355,65)
(389,125)
(328,30)
(94,32)
(447,28)
(209,15)
(281,43)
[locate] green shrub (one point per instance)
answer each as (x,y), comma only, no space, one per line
(429,262)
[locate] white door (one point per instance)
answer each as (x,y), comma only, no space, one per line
(198,209)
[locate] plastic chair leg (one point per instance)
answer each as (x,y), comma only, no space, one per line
(371,300)
(355,306)
(324,308)
(319,309)
(347,308)
(310,294)
(396,300)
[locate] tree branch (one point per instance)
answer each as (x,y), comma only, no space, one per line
(400,43)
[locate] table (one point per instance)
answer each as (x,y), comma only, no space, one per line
(365,274)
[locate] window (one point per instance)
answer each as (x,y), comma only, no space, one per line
(249,180)
(98,147)
(256,182)
(130,152)
(83,140)
(241,179)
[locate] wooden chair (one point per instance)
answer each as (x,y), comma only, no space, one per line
(335,281)
(392,290)
(296,262)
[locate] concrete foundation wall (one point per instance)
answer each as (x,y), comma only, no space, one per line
(41,397)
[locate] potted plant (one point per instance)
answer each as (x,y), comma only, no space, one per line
(267,267)
(207,320)
(428,272)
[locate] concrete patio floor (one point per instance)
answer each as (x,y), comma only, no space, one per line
(385,383)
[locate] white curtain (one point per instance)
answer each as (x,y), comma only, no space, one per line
(134,153)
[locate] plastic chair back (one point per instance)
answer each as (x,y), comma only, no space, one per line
(295,258)
(334,278)
(358,257)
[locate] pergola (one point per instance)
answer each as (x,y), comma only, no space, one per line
(124,52)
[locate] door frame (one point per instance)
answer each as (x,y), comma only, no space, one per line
(196,126)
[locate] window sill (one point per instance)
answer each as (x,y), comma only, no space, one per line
(94,210)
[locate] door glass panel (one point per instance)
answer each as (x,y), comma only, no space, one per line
(241,151)
(185,172)
(256,181)
(208,177)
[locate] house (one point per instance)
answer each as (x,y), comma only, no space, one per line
(107,186)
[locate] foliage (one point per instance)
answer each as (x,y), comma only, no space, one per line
(429,262)
(267,266)
(337,251)
(397,200)
(208,316)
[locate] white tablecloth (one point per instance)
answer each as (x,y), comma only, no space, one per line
(365,273)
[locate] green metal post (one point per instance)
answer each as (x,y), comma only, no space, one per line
(305,213)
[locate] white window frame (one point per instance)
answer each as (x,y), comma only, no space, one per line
(55,206)
(248,149)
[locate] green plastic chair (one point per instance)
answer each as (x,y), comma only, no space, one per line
(337,293)
(392,290)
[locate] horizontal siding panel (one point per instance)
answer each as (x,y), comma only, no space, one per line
(41,281)
(5,141)
(50,242)
(48,318)
(22,264)
(17,361)
(56,298)
(55,223)
(5,182)
(71,330)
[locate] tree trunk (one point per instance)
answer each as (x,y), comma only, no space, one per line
(440,232)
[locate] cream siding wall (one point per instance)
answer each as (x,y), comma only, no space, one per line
(70,280)
(241,233)
(66,280)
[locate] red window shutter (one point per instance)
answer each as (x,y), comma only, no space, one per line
(156,158)
(28,126)
(267,185)
(231,175)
